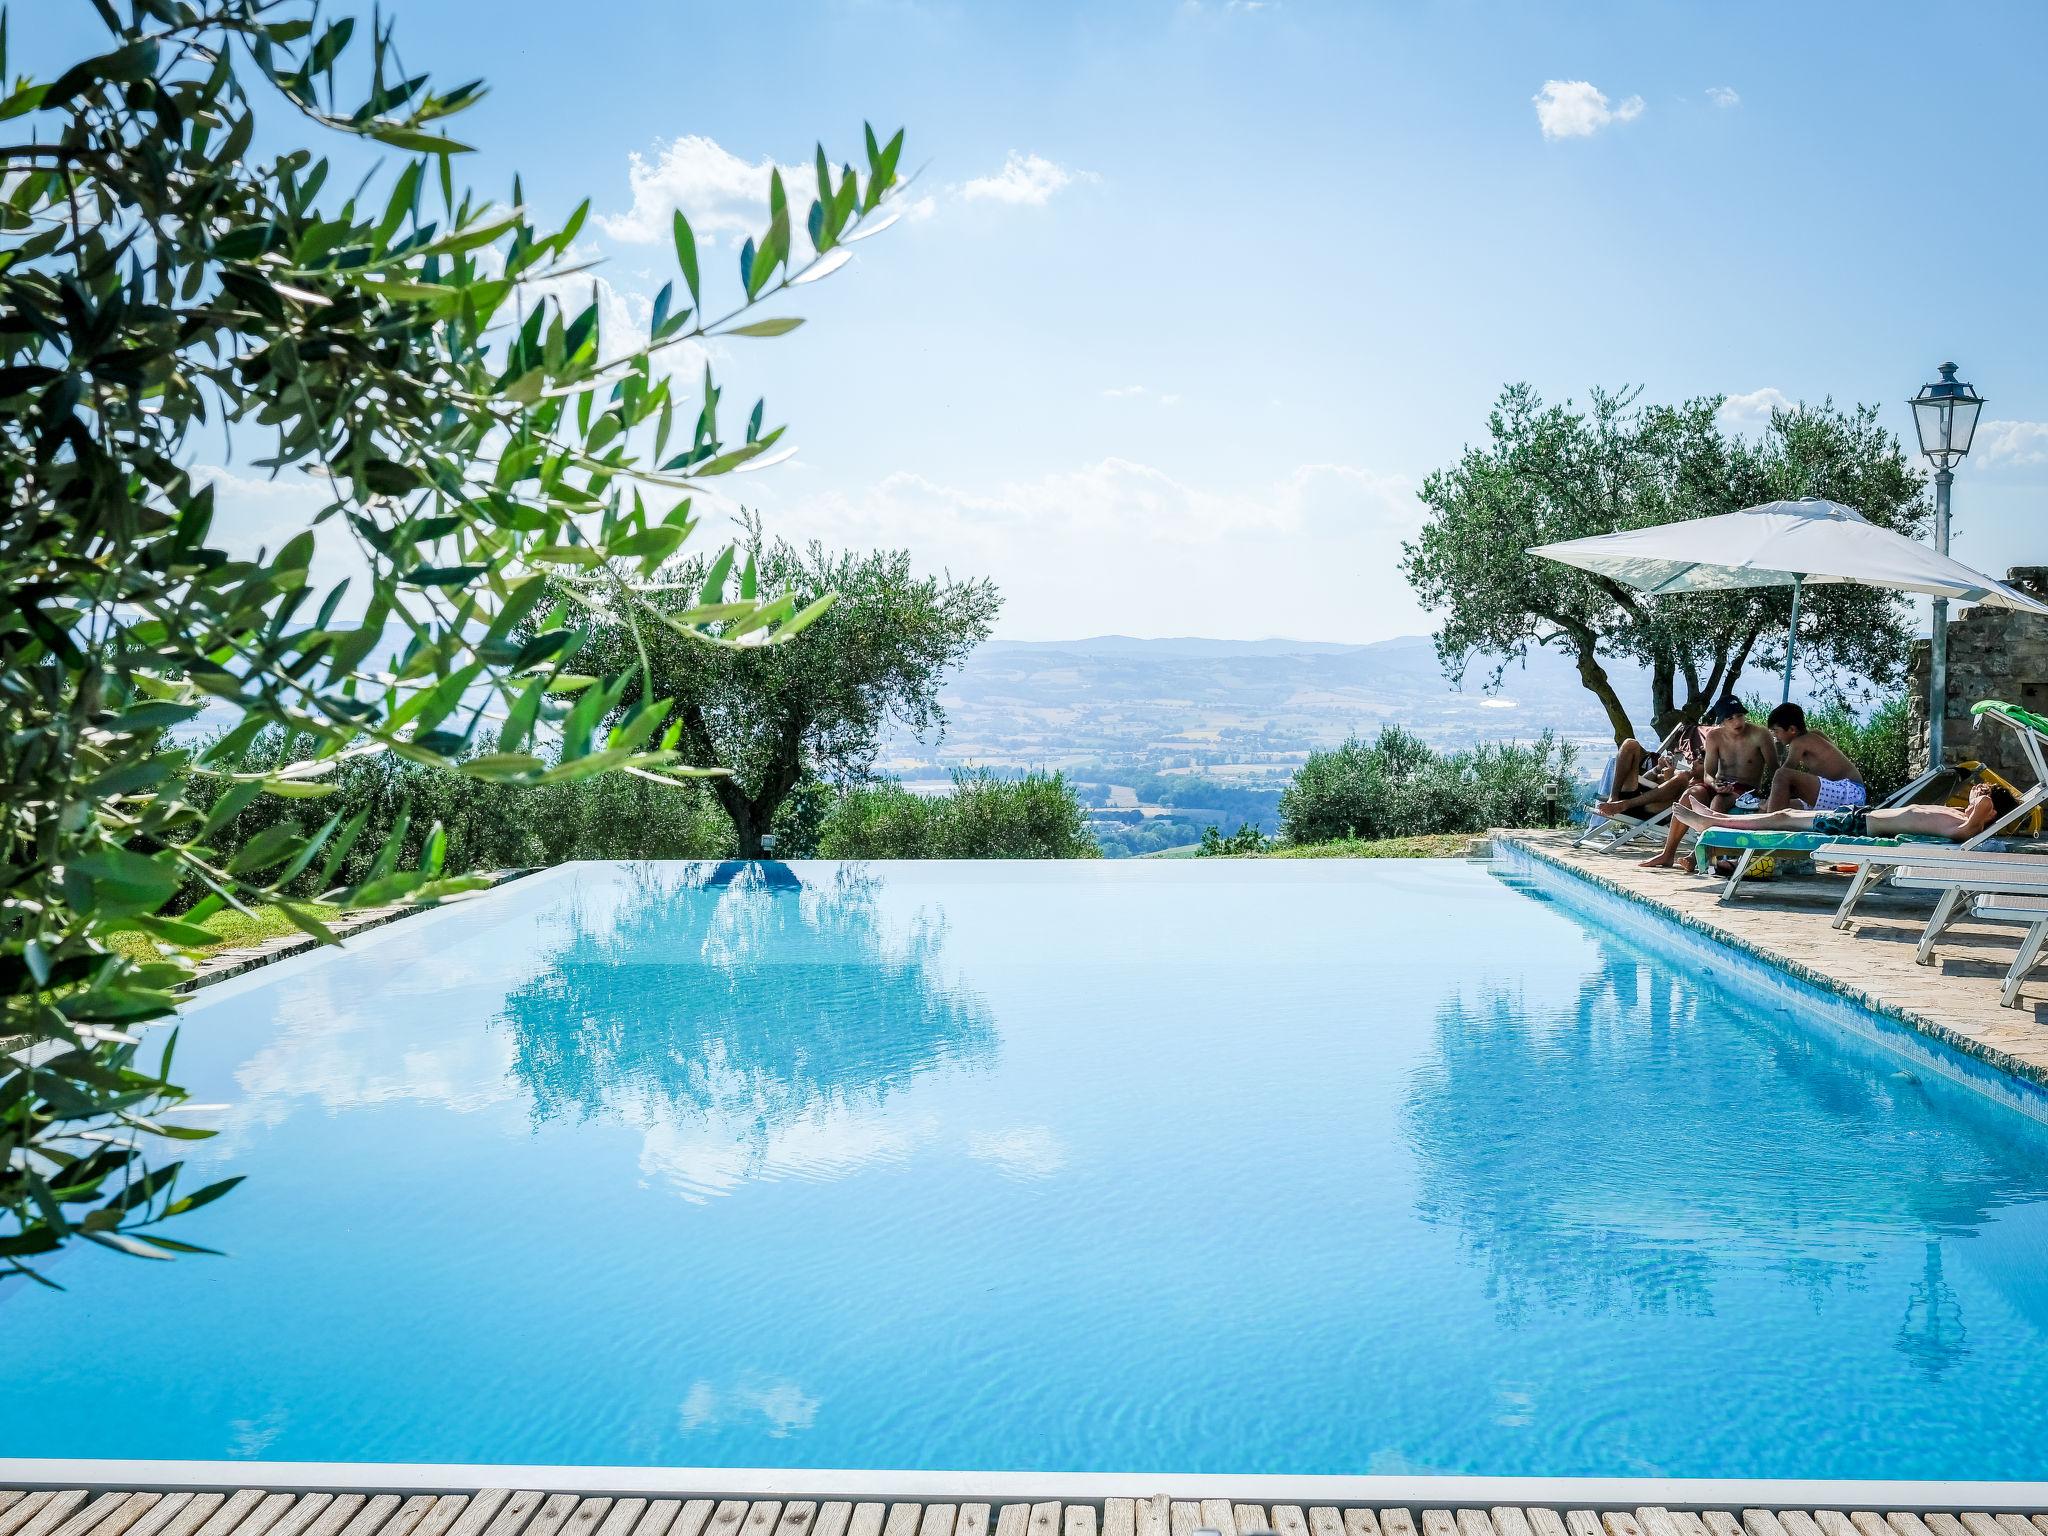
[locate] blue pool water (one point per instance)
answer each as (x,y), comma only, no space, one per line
(1207,1167)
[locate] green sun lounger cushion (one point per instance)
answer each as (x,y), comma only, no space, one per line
(1730,839)
(2013,713)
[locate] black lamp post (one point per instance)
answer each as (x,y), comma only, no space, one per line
(1945,415)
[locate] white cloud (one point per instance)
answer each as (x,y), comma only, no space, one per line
(1724,96)
(781,1402)
(1751,413)
(717,191)
(1023,1152)
(1127,546)
(1575,109)
(2018,443)
(1029,180)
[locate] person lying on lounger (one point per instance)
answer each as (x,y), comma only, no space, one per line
(1813,773)
(1987,803)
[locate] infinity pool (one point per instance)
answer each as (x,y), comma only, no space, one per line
(1206,1167)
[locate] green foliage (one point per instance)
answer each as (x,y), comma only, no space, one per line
(798,821)
(1247,839)
(1553,473)
(430,360)
(1401,787)
(881,643)
(984,817)
(1152,834)
(487,824)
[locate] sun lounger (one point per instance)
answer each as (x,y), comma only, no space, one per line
(1999,907)
(1616,832)
(1870,858)
(1750,846)
(1958,887)
(2032,731)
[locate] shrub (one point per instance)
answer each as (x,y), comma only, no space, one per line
(1401,787)
(487,824)
(1247,839)
(984,817)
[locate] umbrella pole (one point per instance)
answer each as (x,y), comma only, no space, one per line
(1791,642)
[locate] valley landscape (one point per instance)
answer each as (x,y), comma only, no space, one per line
(1162,738)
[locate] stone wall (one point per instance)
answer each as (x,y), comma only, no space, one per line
(1993,653)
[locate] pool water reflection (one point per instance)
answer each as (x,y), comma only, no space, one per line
(1245,1167)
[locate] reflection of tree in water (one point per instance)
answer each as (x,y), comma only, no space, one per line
(739,992)
(1933,1336)
(1592,1157)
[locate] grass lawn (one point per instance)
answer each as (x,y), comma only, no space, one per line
(234,930)
(1435,845)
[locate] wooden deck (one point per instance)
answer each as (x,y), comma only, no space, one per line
(534,1512)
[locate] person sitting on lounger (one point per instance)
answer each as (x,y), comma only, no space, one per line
(1641,781)
(1738,754)
(1813,773)
(1986,804)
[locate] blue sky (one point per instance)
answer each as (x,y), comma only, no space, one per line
(1195,294)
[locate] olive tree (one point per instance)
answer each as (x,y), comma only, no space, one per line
(431,358)
(768,716)
(1550,473)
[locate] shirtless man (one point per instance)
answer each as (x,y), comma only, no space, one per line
(1738,754)
(1986,804)
(1813,774)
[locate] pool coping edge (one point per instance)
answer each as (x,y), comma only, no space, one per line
(1425,1490)
(1933,1028)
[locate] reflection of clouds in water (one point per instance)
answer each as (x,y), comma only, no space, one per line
(1022,1152)
(752,1025)
(334,1041)
(782,1403)
(716,1155)
(252,1437)
(349,1062)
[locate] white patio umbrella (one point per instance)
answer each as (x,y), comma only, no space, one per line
(1793,544)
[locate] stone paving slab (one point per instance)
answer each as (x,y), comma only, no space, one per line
(1788,921)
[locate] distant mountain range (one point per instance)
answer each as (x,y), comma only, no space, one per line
(1234,708)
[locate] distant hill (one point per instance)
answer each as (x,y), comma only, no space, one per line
(1240,709)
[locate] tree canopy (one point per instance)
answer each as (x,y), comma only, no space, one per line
(769,715)
(1549,473)
(430,365)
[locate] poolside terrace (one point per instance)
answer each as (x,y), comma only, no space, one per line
(1789,921)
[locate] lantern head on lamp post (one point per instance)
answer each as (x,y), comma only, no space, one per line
(1945,416)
